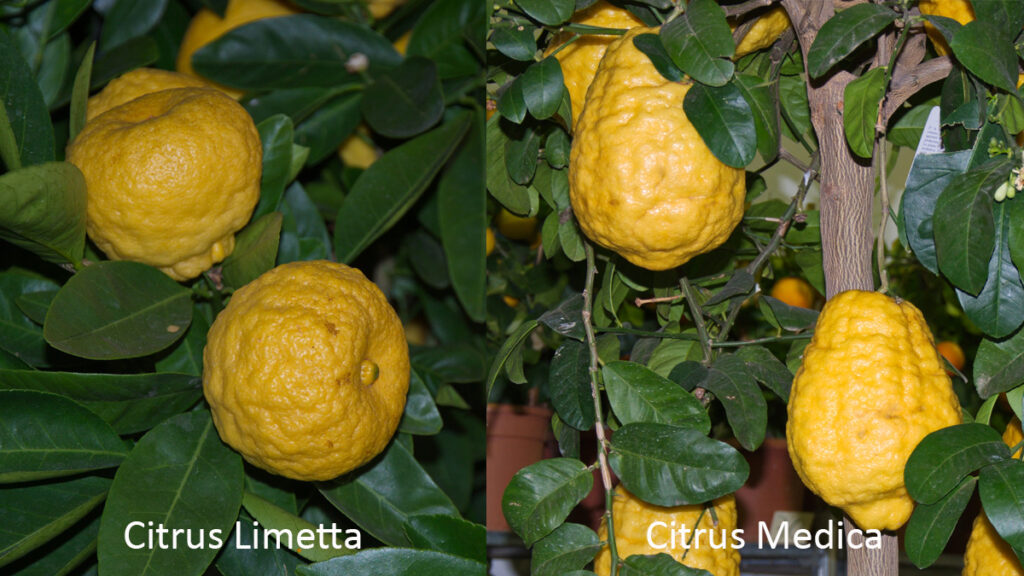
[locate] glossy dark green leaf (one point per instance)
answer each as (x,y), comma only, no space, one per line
(296,103)
(793,318)
(450,534)
(46,436)
(19,335)
(844,33)
(134,53)
(392,185)
(860,111)
(1001,487)
(794,108)
(767,369)
(178,474)
(543,87)
(570,547)
(741,283)
(670,466)
(242,555)
(405,101)
(540,497)
(931,525)
(80,94)
(700,43)
(293,52)
(117,309)
(571,239)
(512,102)
(550,12)
(907,129)
(61,556)
(929,176)
(451,33)
(1015,237)
(272,517)
(566,318)
(765,110)
(26,111)
(516,42)
(277,134)
(510,347)
(944,457)
(45,211)
(998,310)
(999,365)
(129,19)
(255,251)
(556,148)
(724,121)
(1008,15)
(650,44)
(987,54)
(657,565)
(36,304)
(638,394)
(521,151)
(420,416)
(35,514)
(427,259)
(326,128)
(395,562)
(381,496)
(745,406)
(518,199)
(569,383)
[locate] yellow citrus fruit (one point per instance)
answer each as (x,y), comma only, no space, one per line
(959,10)
(170,177)
(765,31)
(871,386)
(206,26)
(793,291)
(510,301)
(516,227)
(579,60)
(135,84)
(357,151)
(642,182)
(402,44)
(952,352)
(987,553)
(416,332)
(633,518)
(381,8)
(489,242)
(306,370)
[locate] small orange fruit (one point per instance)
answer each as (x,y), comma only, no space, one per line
(510,301)
(953,354)
(793,291)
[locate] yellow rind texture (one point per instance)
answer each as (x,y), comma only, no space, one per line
(633,517)
(871,386)
(642,181)
(765,31)
(960,10)
(170,177)
(987,553)
(580,59)
(282,370)
(136,84)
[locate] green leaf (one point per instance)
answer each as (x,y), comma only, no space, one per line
(1015,234)
(999,365)
(243,555)
(514,41)
(987,54)
(20,336)
(998,309)
(759,98)
(450,32)
(567,318)
(1008,15)
(540,497)
(293,52)
(381,496)
(26,113)
(550,12)
(511,344)
(571,240)
(929,175)
(44,211)
(512,102)
(944,457)
(61,557)
(35,514)
(272,517)
(277,134)
(907,130)
(329,126)
(767,369)
(670,466)
(392,185)
(745,406)
(255,251)
(521,153)
(650,44)
(448,534)
(80,94)
(133,54)
(724,121)
(792,318)
(179,474)
(542,87)
(860,110)
(931,525)
(569,547)
(395,562)
(569,383)
(405,101)
(658,565)
(794,108)
(36,304)
(637,394)
(556,150)
(46,436)
(121,309)
(844,33)
(186,357)
(518,199)
(1001,487)
(420,416)
(700,43)
(129,19)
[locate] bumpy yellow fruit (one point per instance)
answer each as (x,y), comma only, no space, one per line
(870,388)
(206,26)
(306,370)
(987,553)
(765,31)
(170,177)
(642,182)
(960,10)
(712,550)
(136,84)
(579,60)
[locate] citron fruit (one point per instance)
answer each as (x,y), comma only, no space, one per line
(579,60)
(516,227)
(871,386)
(170,177)
(642,182)
(793,291)
(135,84)
(306,370)
(206,26)
(765,31)
(960,10)
(953,353)
(987,554)
(710,550)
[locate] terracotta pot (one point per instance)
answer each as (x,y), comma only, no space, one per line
(516,438)
(773,485)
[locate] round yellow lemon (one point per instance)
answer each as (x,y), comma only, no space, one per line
(170,177)
(793,291)
(960,10)
(765,31)
(871,386)
(206,26)
(135,84)
(306,370)
(579,60)
(641,180)
(516,227)
(987,553)
(712,551)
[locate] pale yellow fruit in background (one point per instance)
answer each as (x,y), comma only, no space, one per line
(170,177)
(206,26)
(402,44)
(516,227)
(579,60)
(765,31)
(960,10)
(871,386)
(987,553)
(135,84)
(633,517)
(356,151)
(306,370)
(642,182)
(382,8)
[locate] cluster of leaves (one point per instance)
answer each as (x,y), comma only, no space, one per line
(102,421)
